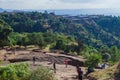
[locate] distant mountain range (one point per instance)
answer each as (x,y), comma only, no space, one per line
(73,12)
(1,10)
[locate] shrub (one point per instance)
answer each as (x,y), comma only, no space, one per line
(42,73)
(93,60)
(14,71)
(106,57)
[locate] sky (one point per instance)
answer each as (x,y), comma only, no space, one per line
(59,4)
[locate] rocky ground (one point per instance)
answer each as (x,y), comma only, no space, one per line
(46,59)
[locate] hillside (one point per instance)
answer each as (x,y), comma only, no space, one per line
(94,30)
(112,73)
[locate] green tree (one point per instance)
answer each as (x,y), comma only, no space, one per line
(93,60)
(25,40)
(80,46)
(42,43)
(5,30)
(106,57)
(115,53)
(60,45)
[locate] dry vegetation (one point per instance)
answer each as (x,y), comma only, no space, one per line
(106,74)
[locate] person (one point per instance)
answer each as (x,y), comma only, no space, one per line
(66,62)
(103,66)
(54,66)
(34,60)
(80,73)
(89,70)
(5,57)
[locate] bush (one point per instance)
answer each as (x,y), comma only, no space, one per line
(42,73)
(106,57)
(93,60)
(14,71)
(21,72)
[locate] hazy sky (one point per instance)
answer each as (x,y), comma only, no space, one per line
(58,4)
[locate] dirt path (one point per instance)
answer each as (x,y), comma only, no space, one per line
(45,59)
